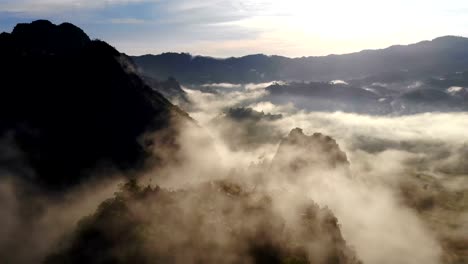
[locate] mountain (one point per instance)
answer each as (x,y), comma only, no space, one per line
(325,96)
(298,152)
(217,222)
(439,56)
(375,98)
(170,88)
(70,105)
(198,69)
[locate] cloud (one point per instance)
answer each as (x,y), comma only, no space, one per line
(443,127)
(56,6)
(255,86)
(127,21)
(33,223)
(415,85)
(453,90)
(389,155)
(368,205)
(207,105)
(222,85)
(338,82)
(238,27)
(269,107)
(206,12)
(249,86)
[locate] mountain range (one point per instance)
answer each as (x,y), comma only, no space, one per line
(439,56)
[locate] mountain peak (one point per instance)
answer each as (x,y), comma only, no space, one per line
(449,38)
(42,36)
(299,151)
(296,133)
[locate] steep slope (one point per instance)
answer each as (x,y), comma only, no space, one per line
(170,88)
(71,105)
(441,55)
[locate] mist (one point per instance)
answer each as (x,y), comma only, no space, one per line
(380,222)
(387,155)
(174,158)
(39,222)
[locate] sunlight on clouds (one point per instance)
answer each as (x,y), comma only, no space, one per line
(55,6)
(225,28)
(301,27)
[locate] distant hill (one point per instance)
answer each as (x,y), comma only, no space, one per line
(71,104)
(369,99)
(439,56)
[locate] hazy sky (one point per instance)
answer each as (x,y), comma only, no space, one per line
(225,28)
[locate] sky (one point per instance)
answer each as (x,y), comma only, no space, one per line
(224,28)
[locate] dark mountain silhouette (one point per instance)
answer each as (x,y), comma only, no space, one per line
(189,69)
(71,104)
(426,100)
(368,97)
(325,96)
(441,55)
(43,38)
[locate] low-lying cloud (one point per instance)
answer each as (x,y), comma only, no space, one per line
(386,154)
(392,201)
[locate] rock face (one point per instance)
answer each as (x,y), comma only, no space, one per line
(71,104)
(299,151)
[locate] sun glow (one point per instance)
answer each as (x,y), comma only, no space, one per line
(322,27)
